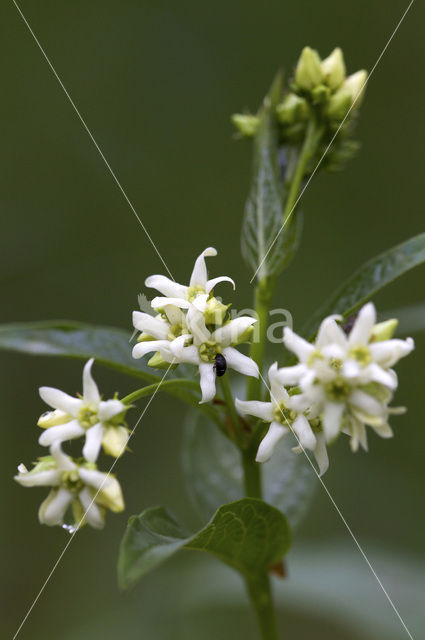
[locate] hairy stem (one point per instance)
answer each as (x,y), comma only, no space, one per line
(263,298)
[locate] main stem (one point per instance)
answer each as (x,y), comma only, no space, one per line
(259,588)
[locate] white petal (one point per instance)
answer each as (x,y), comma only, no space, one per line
(48,478)
(388,352)
(304,432)
(378,374)
(160,303)
(199,273)
(268,443)
(53,509)
(93,442)
(166,286)
(212,283)
(174,314)
(155,327)
(321,454)
(330,331)
(110,408)
(366,403)
(278,392)
(94,478)
(363,325)
(200,302)
(351,369)
(231,332)
(92,513)
(189,354)
(61,433)
(302,349)
(142,348)
(240,363)
(64,462)
(196,323)
(263,410)
(91,393)
(384,430)
(207,381)
(332,419)
(60,400)
(291,375)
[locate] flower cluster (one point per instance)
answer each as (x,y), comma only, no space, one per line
(77,485)
(192,326)
(342,383)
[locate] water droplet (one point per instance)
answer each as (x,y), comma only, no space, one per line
(71,528)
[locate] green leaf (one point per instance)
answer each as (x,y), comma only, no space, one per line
(108,345)
(249,535)
(263,216)
(213,472)
(369,279)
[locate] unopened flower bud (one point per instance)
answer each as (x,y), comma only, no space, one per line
(333,68)
(356,85)
(293,109)
(215,311)
(246,124)
(384,330)
(349,95)
(158,362)
(308,72)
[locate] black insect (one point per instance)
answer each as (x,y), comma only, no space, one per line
(220,365)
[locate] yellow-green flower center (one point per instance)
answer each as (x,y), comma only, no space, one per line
(361,354)
(208,351)
(337,390)
(194,292)
(87,417)
(282,414)
(71,481)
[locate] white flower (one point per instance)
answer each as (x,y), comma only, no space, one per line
(180,295)
(99,420)
(207,344)
(283,420)
(77,488)
(346,380)
(157,333)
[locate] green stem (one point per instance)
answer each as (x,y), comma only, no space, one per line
(180,388)
(308,149)
(261,598)
(143,392)
(263,298)
(231,409)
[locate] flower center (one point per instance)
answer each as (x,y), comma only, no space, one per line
(208,351)
(87,417)
(71,481)
(337,390)
(361,354)
(282,414)
(176,330)
(194,292)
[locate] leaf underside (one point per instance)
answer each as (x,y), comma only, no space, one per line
(248,535)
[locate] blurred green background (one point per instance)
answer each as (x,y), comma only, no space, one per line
(157,82)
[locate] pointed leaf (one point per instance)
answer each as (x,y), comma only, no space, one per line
(249,535)
(108,345)
(263,216)
(369,279)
